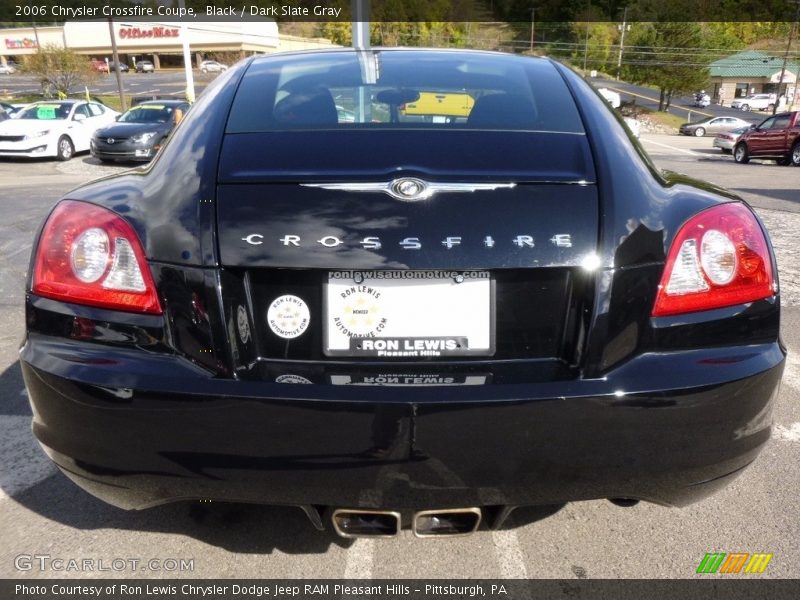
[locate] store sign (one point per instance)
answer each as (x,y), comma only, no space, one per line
(20,43)
(135,33)
(788,77)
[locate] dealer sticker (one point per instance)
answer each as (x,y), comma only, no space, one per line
(288,317)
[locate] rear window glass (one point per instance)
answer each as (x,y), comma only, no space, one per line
(402,90)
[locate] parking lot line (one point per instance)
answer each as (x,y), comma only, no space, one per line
(509,554)
(689,152)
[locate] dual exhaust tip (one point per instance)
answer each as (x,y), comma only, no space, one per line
(356,523)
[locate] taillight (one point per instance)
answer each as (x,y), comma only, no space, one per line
(719,257)
(90,255)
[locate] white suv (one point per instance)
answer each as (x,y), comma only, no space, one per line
(757,101)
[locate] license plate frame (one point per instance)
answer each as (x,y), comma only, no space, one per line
(479,284)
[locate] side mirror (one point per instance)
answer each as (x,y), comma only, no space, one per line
(79,117)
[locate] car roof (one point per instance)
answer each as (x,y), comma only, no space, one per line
(162,102)
(58,102)
(400,49)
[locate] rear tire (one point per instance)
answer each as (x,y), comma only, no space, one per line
(745,107)
(699,132)
(770,107)
(796,154)
(741,155)
(65,149)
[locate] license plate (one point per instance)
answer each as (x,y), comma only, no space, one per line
(409,379)
(409,314)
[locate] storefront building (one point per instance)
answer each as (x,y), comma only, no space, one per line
(159,43)
(753,72)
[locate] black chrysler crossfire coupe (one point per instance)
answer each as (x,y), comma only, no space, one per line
(402,288)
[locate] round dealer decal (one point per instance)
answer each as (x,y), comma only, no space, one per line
(289,378)
(243,324)
(360,313)
(288,317)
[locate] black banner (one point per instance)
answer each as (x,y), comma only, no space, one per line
(23,12)
(712,588)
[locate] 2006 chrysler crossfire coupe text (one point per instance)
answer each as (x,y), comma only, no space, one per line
(407,317)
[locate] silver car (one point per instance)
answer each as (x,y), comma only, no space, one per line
(713,125)
(212,66)
(727,140)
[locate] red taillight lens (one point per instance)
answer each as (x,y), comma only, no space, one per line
(90,255)
(719,257)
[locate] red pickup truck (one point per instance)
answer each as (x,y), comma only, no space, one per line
(777,138)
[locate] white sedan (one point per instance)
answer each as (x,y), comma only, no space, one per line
(58,128)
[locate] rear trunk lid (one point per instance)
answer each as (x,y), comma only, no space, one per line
(526,218)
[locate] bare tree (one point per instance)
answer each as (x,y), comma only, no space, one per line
(59,70)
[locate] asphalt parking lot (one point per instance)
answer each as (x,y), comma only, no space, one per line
(42,513)
(162,83)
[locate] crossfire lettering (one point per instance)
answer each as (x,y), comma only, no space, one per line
(560,240)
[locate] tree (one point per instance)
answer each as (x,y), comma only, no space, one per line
(594,45)
(59,69)
(666,55)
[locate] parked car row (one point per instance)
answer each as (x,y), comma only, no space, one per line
(142,66)
(146,66)
(63,128)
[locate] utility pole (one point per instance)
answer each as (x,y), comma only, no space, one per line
(366,59)
(585,48)
(36,35)
(586,40)
(622,41)
(533,26)
(360,25)
(786,58)
(187,55)
(115,54)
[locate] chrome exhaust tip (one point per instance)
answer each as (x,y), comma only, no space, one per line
(358,523)
(448,522)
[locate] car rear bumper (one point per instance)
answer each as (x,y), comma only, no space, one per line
(139,429)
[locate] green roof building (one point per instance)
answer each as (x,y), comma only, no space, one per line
(753,72)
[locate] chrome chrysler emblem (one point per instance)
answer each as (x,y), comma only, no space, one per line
(110,141)
(410,188)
